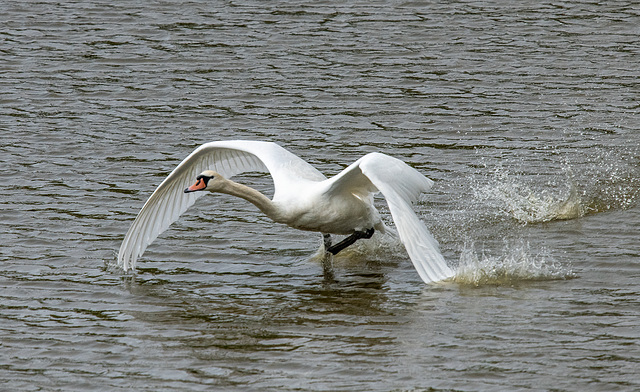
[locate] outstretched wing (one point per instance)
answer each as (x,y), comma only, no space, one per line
(228,158)
(401,185)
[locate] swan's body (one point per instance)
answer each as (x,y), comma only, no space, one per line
(303,198)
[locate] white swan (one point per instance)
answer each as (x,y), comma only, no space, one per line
(303,198)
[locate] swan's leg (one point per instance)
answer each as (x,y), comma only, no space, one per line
(327,267)
(327,241)
(327,260)
(334,249)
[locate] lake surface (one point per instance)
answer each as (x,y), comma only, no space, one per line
(525,115)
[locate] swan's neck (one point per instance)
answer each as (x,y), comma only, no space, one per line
(255,197)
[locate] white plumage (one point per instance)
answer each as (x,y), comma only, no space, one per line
(303,198)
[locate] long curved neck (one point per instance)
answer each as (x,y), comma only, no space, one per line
(253,196)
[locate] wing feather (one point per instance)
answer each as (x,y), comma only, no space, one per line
(401,185)
(228,158)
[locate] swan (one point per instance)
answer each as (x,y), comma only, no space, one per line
(303,199)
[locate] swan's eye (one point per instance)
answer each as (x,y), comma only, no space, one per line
(204,178)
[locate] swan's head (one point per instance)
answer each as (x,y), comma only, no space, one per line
(205,181)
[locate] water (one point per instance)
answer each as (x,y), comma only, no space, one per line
(524,114)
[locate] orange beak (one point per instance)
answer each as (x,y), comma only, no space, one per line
(200,185)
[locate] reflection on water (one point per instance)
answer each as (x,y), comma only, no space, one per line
(525,118)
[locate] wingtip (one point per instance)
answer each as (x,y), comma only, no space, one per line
(125,262)
(439,277)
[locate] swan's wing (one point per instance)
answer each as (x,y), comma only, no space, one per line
(401,185)
(228,158)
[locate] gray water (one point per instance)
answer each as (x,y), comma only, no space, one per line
(524,113)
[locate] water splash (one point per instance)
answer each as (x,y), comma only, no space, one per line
(526,205)
(517,263)
(611,180)
(603,179)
